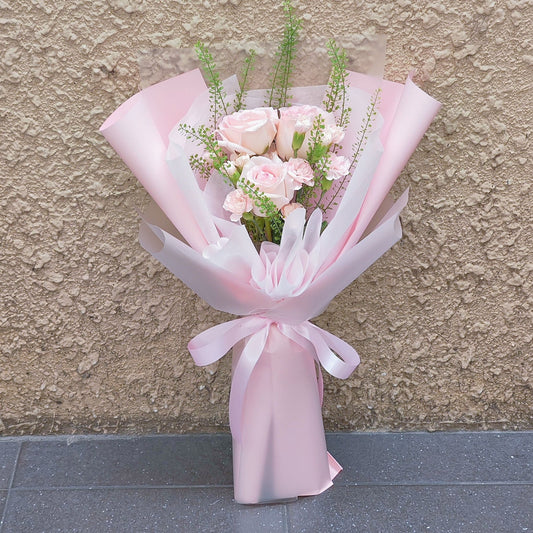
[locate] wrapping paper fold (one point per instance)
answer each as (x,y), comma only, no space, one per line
(275,402)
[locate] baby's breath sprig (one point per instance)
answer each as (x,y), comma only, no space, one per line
(244,80)
(278,95)
(368,122)
(201,165)
(217,94)
(203,136)
(336,98)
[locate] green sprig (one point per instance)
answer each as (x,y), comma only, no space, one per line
(368,122)
(217,94)
(317,149)
(336,98)
(244,80)
(358,146)
(261,200)
(267,227)
(203,136)
(201,165)
(278,95)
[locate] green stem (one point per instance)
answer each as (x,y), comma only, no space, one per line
(268,230)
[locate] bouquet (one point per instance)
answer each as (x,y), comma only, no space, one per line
(270,202)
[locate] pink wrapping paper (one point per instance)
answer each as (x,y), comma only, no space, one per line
(275,402)
(283,436)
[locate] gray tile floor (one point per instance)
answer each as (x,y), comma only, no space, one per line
(391,483)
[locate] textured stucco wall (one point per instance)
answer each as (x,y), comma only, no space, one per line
(93,331)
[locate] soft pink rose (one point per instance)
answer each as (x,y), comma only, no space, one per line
(286,210)
(250,131)
(237,203)
(300,172)
(294,119)
(338,168)
(298,119)
(268,175)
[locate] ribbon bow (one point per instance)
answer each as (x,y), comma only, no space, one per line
(336,356)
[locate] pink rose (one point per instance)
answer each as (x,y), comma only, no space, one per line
(300,172)
(237,203)
(338,168)
(250,131)
(298,119)
(268,175)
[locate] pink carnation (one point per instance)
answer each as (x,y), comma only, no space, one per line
(300,172)
(332,135)
(338,168)
(237,203)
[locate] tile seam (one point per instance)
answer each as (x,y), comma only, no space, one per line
(10,487)
(37,438)
(115,487)
(286,520)
(363,484)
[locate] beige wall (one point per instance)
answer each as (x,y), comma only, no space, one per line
(94,332)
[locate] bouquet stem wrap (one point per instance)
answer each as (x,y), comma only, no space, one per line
(279,446)
(280,450)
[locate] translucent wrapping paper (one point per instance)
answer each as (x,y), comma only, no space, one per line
(279,447)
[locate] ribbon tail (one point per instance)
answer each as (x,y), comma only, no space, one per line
(241,376)
(336,356)
(213,343)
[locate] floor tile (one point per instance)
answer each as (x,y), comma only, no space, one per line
(8,457)
(157,460)
(433,457)
(138,510)
(399,509)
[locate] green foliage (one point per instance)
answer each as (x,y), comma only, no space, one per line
(368,122)
(277,224)
(278,95)
(262,228)
(203,136)
(336,98)
(268,227)
(200,165)
(260,199)
(217,95)
(244,80)
(358,147)
(316,149)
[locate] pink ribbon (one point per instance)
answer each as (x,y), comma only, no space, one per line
(336,356)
